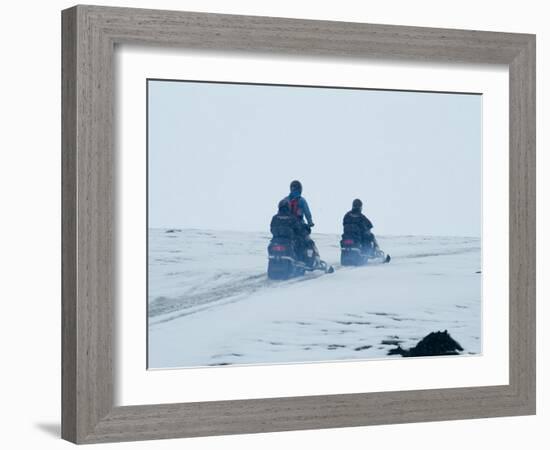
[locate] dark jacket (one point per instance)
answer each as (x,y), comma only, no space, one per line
(357,225)
(286,225)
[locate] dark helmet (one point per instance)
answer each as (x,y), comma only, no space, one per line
(357,204)
(296,186)
(284,206)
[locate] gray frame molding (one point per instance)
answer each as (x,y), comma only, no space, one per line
(89,36)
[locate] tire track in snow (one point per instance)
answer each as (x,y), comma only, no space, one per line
(164,309)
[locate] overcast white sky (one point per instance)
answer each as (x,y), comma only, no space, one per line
(221,156)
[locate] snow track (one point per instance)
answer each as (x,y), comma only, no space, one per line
(163,309)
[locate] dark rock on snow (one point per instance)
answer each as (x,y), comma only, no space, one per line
(437,343)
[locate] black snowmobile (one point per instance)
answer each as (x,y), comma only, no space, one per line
(358,245)
(293,256)
(355,253)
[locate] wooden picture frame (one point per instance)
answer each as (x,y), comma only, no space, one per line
(90,34)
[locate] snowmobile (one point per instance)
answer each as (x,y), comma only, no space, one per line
(355,253)
(288,260)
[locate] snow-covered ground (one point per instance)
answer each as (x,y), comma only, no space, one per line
(210,302)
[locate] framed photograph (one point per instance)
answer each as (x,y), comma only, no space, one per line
(278,224)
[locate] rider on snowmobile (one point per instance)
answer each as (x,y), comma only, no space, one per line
(300,209)
(356,224)
(298,204)
(284,224)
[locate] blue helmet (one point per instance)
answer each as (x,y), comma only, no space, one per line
(296,186)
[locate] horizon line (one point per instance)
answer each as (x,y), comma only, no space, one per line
(180,229)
